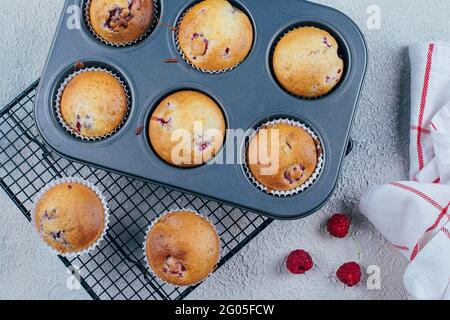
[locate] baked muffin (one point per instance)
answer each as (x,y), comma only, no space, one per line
(94,104)
(306,62)
(291,163)
(70,217)
(182,248)
(215,36)
(121,21)
(187,129)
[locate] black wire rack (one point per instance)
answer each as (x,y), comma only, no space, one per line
(115,270)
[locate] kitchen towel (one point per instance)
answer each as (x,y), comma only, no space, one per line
(414,215)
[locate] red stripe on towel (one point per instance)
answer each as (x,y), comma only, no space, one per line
(423,130)
(445,230)
(420,194)
(415,252)
(403,248)
(423,104)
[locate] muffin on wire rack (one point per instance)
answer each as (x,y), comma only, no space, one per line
(215,36)
(182,248)
(71,215)
(120,22)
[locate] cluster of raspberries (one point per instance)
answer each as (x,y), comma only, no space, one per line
(300,261)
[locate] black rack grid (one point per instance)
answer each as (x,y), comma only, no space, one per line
(116,269)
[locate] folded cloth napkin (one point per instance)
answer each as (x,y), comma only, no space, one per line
(414,216)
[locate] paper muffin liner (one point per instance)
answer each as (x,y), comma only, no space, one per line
(281,36)
(87,19)
(185,58)
(83,182)
(304,186)
(144,247)
(59,95)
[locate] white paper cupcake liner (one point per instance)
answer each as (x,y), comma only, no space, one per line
(152,26)
(83,182)
(185,58)
(60,92)
(144,247)
(278,82)
(309,182)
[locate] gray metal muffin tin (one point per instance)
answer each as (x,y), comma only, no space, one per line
(248,94)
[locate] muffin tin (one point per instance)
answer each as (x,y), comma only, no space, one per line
(249,95)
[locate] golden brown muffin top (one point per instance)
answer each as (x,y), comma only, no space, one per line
(187,129)
(215,36)
(282,157)
(94,103)
(182,248)
(70,217)
(121,21)
(306,62)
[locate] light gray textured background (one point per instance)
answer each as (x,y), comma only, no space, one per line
(29,271)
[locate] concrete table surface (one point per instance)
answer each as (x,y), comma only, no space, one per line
(29,271)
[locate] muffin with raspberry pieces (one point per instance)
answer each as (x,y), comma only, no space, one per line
(121,21)
(182,248)
(282,157)
(187,129)
(215,36)
(306,62)
(70,217)
(93,104)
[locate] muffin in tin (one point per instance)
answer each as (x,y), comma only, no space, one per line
(187,129)
(121,21)
(215,36)
(93,104)
(306,62)
(70,217)
(182,248)
(282,157)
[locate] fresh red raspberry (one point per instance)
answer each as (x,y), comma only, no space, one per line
(339,225)
(299,261)
(349,273)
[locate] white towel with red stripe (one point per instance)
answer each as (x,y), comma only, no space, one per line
(414,215)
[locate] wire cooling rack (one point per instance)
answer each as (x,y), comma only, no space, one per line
(116,269)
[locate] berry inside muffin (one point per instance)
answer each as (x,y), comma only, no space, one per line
(282,157)
(187,129)
(306,62)
(215,36)
(121,21)
(94,104)
(70,217)
(182,248)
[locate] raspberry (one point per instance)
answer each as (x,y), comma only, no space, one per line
(349,274)
(294,173)
(299,261)
(163,122)
(339,225)
(199,44)
(325,41)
